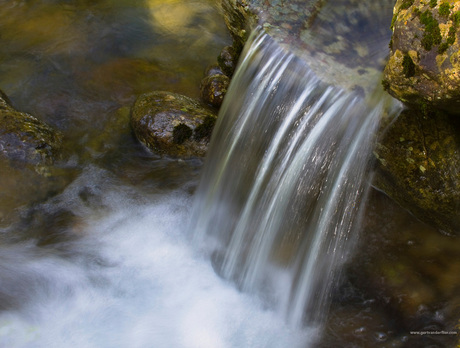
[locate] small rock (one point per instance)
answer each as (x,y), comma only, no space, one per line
(23,138)
(213,89)
(172,124)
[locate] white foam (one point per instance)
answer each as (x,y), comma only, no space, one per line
(134,281)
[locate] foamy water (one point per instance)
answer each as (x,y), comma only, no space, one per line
(131,280)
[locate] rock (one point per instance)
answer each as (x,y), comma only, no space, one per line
(213,69)
(424,65)
(419,167)
(25,139)
(213,89)
(172,124)
(228,59)
(344,41)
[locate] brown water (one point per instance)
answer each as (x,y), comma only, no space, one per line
(79,66)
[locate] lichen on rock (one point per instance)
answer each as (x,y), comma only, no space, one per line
(427,32)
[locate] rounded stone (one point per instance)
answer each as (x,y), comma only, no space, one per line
(24,138)
(172,124)
(227,59)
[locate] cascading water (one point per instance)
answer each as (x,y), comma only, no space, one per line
(284,180)
(105,261)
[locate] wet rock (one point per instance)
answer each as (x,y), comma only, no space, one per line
(172,124)
(419,167)
(213,70)
(25,139)
(344,41)
(424,65)
(213,89)
(227,60)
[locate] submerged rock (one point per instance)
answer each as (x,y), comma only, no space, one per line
(424,65)
(419,167)
(23,138)
(172,124)
(404,273)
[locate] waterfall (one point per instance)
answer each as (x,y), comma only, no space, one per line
(280,194)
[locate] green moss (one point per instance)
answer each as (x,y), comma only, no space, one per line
(456,18)
(408,66)
(432,35)
(424,108)
(385,84)
(451,36)
(443,47)
(444,9)
(406,4)
(181,133)
(204,130)
(393,20)
(433,3)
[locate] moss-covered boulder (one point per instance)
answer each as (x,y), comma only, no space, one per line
(172,124)
(424,64)
(25,139)
(419,166)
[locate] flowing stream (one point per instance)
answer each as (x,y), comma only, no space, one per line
(284,180)
(119,247)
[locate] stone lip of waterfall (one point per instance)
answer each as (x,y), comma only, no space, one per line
(345,42)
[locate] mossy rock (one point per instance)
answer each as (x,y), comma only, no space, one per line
(172,124)
(25,139)
(419,167)
(424,64)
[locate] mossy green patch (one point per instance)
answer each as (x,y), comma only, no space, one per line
(408,66)
(406,4)
(181,133)
(393,20)
(432,35)
(433,3)
(456,18)
(386,84)
(443,47)
(444,9)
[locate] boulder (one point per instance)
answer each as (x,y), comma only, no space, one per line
(424,64)
(419,166)
(25,139)
(172,124)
